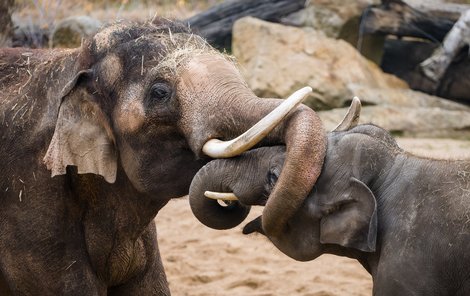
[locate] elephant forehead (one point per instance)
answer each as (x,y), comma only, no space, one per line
(194,74)
(207,69)
(129,115)
(104,38)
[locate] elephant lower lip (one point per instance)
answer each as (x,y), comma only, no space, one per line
(253,226)
(262,201)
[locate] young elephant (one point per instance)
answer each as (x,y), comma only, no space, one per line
(404,218)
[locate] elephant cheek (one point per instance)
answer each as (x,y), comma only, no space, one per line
(301,242)
(129,115)
(131,166)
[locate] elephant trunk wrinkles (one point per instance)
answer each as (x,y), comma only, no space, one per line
(235,110)
(225,149)
(214,177)
(306,148)
(303,134)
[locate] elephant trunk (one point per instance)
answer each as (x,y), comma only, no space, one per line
(302,132)
(246,176)
(224,149)
(306,144)
(211,212)
(305,140)
(217,176)
(236,109)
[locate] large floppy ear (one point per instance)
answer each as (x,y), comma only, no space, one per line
(82,136)
(351,218)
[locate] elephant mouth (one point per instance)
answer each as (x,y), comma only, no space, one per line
(256,225)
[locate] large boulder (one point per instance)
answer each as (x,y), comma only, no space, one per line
(328,16)
(401,97)
(409,121)
(340,19)
(70,31)
(278,59)
(27,34)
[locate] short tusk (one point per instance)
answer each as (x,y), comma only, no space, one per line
(221,196)
(223,149)
(351,119)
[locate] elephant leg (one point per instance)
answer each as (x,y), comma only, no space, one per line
(152,281)
(4,288)
(54,276)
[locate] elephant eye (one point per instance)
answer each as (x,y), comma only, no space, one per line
(273,175)
(160,92)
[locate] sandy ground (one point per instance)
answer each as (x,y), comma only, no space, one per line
(203,261)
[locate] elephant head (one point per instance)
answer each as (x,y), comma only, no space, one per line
(152,103)
(336,212)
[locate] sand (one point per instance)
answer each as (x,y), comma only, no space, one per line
(202,261)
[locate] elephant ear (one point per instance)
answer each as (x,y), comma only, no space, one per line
(82,136)
(351,219)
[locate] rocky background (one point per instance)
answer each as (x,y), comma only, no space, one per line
(323,53)
(321,45)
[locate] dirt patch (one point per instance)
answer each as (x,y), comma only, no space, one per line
(202,261)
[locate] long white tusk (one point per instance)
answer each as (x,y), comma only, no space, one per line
(220,195)
(223,149)
(351,119)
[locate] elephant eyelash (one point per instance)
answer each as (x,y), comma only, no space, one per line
(271,180)
(273,176)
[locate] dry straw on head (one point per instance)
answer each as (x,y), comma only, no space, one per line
(180,48)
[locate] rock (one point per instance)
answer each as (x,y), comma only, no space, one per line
(70,31)
(277,60)
(402,97)
(317,17)
(30,35)
(328,16)
(442,8)
(409,121)
(340,19)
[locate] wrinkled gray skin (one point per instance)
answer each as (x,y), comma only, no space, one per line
(406,219)
(120,123)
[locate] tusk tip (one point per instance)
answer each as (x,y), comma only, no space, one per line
(356,99)
(305,90)
(351,119)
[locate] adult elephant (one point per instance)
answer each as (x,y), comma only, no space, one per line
(123,123)
(404,218)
